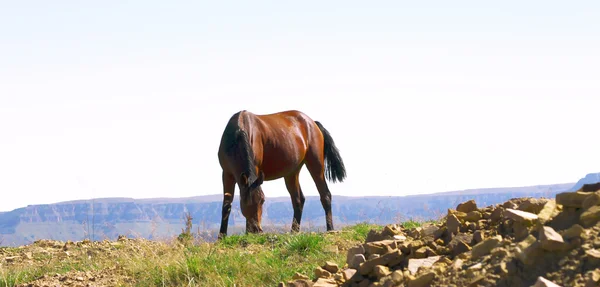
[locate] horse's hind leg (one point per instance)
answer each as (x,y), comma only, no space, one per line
(292,184)
(228,193)
(316,167)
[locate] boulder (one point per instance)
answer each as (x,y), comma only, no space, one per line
(571,199)
(467,206)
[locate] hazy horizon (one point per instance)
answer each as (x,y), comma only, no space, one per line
(129,99)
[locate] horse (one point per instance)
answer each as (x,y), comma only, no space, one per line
(257,148)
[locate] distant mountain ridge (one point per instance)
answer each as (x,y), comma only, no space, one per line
(153,218)
(589,178)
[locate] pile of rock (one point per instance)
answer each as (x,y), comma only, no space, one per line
(522,242)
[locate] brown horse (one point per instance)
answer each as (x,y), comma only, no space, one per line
(255,148)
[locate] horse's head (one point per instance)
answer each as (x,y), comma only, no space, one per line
(252,199)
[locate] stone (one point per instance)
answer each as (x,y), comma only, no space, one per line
(389,259)
(373,256)
(381,271)
(467,206)
(478,236)
(543,282)
(415,264)
(528,250)
(392,230)
(547,212)
(458,246)
(592,200)
(533,205)
(331,267)
(485,247)
(497,214)
(325,282)
(593,255)
(453,224)
(359,249)
(397,276)
(429,230)
(571,199)
(322,273)
(473,216)
(298,283)
(551,240)
(380,247)
(399,238)
(590,216)
(348,273)
(592,278)
(457,264)
(575,231)
(590,187)
(357,261)
(300,276)
(519,216)
(420,253)
(423,280)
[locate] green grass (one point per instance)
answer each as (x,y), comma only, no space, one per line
(236,260)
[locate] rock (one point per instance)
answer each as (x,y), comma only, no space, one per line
(300,276)
(397,276)
(519,216)
(423,280)
(533,205)
(359,249)
(485,247)
(478,236)
(331,267)
(473,216)
(325,282)
(453,224)
(348,273)
(590,216)
(391,230)
(467,206)
(528,250)
(399,238)
(458,246)
(590,187)
(457,264)
(592,200)
(380,247)
(389,259)
(298,283)
(381,271)
(429,230)
(551,240)
(497,214)
(357,261)
(322,273)
(575,231)
(593,255)
(592,278)
(547,212)
(415,264)
(543,282)
(571,199)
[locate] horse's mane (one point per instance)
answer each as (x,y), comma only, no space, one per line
(237,145)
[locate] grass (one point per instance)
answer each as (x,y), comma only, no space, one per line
(237,260)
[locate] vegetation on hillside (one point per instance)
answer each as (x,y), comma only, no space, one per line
(237,260)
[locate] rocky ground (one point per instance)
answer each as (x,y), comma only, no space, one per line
(51,253)
(522,242)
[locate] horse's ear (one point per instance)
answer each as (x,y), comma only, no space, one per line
(244,179)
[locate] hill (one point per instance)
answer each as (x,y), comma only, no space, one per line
(107,218)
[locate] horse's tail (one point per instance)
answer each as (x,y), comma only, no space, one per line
(334,166)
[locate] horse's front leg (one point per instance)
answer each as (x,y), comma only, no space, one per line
(292,184)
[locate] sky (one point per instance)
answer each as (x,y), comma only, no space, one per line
(130,98)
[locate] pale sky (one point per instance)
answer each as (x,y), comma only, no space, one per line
(129,98)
